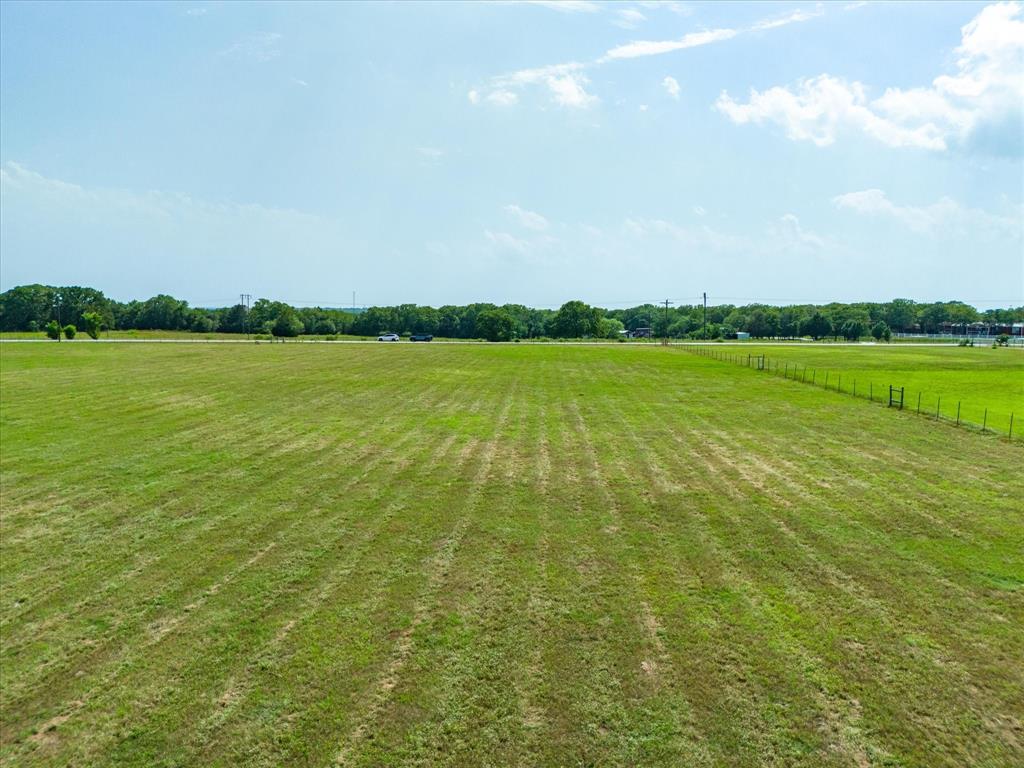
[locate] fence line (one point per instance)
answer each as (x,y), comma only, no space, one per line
(894,397)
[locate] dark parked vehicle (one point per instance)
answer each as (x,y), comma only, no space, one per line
(421,337)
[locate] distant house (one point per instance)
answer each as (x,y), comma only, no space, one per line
(639,333)
(741,335)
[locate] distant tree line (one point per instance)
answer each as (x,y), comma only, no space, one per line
(37,307)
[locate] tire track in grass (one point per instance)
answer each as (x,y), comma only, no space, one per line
(741,453)
(437,572)
(968,646)
(238,686)
(281,472)
(751,683)
(463,694)
(530,690)
(656,666)
(886,615)
(299,520)
(368,471)
(191,573)
(291,737)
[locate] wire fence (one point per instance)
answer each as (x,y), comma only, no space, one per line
(926,405)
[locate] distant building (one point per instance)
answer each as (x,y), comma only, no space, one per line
(639,333)
(982,329)
(741,335)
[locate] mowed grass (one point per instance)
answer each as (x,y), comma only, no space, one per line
(976,377)
(494,555)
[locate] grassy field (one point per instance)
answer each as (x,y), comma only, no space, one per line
(423,555)
(976,377)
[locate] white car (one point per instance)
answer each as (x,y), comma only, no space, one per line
(388,337)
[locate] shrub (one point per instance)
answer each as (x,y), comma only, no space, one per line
(330,337)
(92,322)
(70,331)
(1003,340)
(53,330)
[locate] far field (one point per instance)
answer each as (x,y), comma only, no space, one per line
(314,555)
(977,377)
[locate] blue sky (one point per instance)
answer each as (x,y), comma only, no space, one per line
(515,152)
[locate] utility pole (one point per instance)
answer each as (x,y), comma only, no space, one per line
(705,315)
(353,302)
(244,299)
(57,298)
(666,302)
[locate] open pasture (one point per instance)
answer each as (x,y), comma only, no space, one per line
(318,555)
(977,377)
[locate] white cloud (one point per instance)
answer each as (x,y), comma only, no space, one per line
(502,98)
(985,94)
(299,81)
(569,91)
(643,107)
(855,6)
(943,218)
(671,86)
(792,235)
(817,109)
(789,18)
(431,153)
(629,18)
(473,96)
(509,242)
(528,219)
(566,82)
(261,46)
(196,12)
(535,75)
(699,210)
(639,48)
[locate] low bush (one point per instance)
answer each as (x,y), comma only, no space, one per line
(70,331)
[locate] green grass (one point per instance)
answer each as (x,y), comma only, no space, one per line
(227,555)
(976,377)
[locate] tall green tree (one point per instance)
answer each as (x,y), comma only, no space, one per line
(496,325)
(575,319)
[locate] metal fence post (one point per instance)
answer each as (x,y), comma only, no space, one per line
(984,422)
(938,403)
(918,403)
(1011,427)
(958,413)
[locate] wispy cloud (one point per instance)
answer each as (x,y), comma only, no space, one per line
(299,81)
(639,48)
(655,47)
(986,90)
(943,218)
(629,18)
(567,82)
(431,153)
(566,85)
(196,11)
(261,46)
(671,86)
(528,219)
(790,18)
